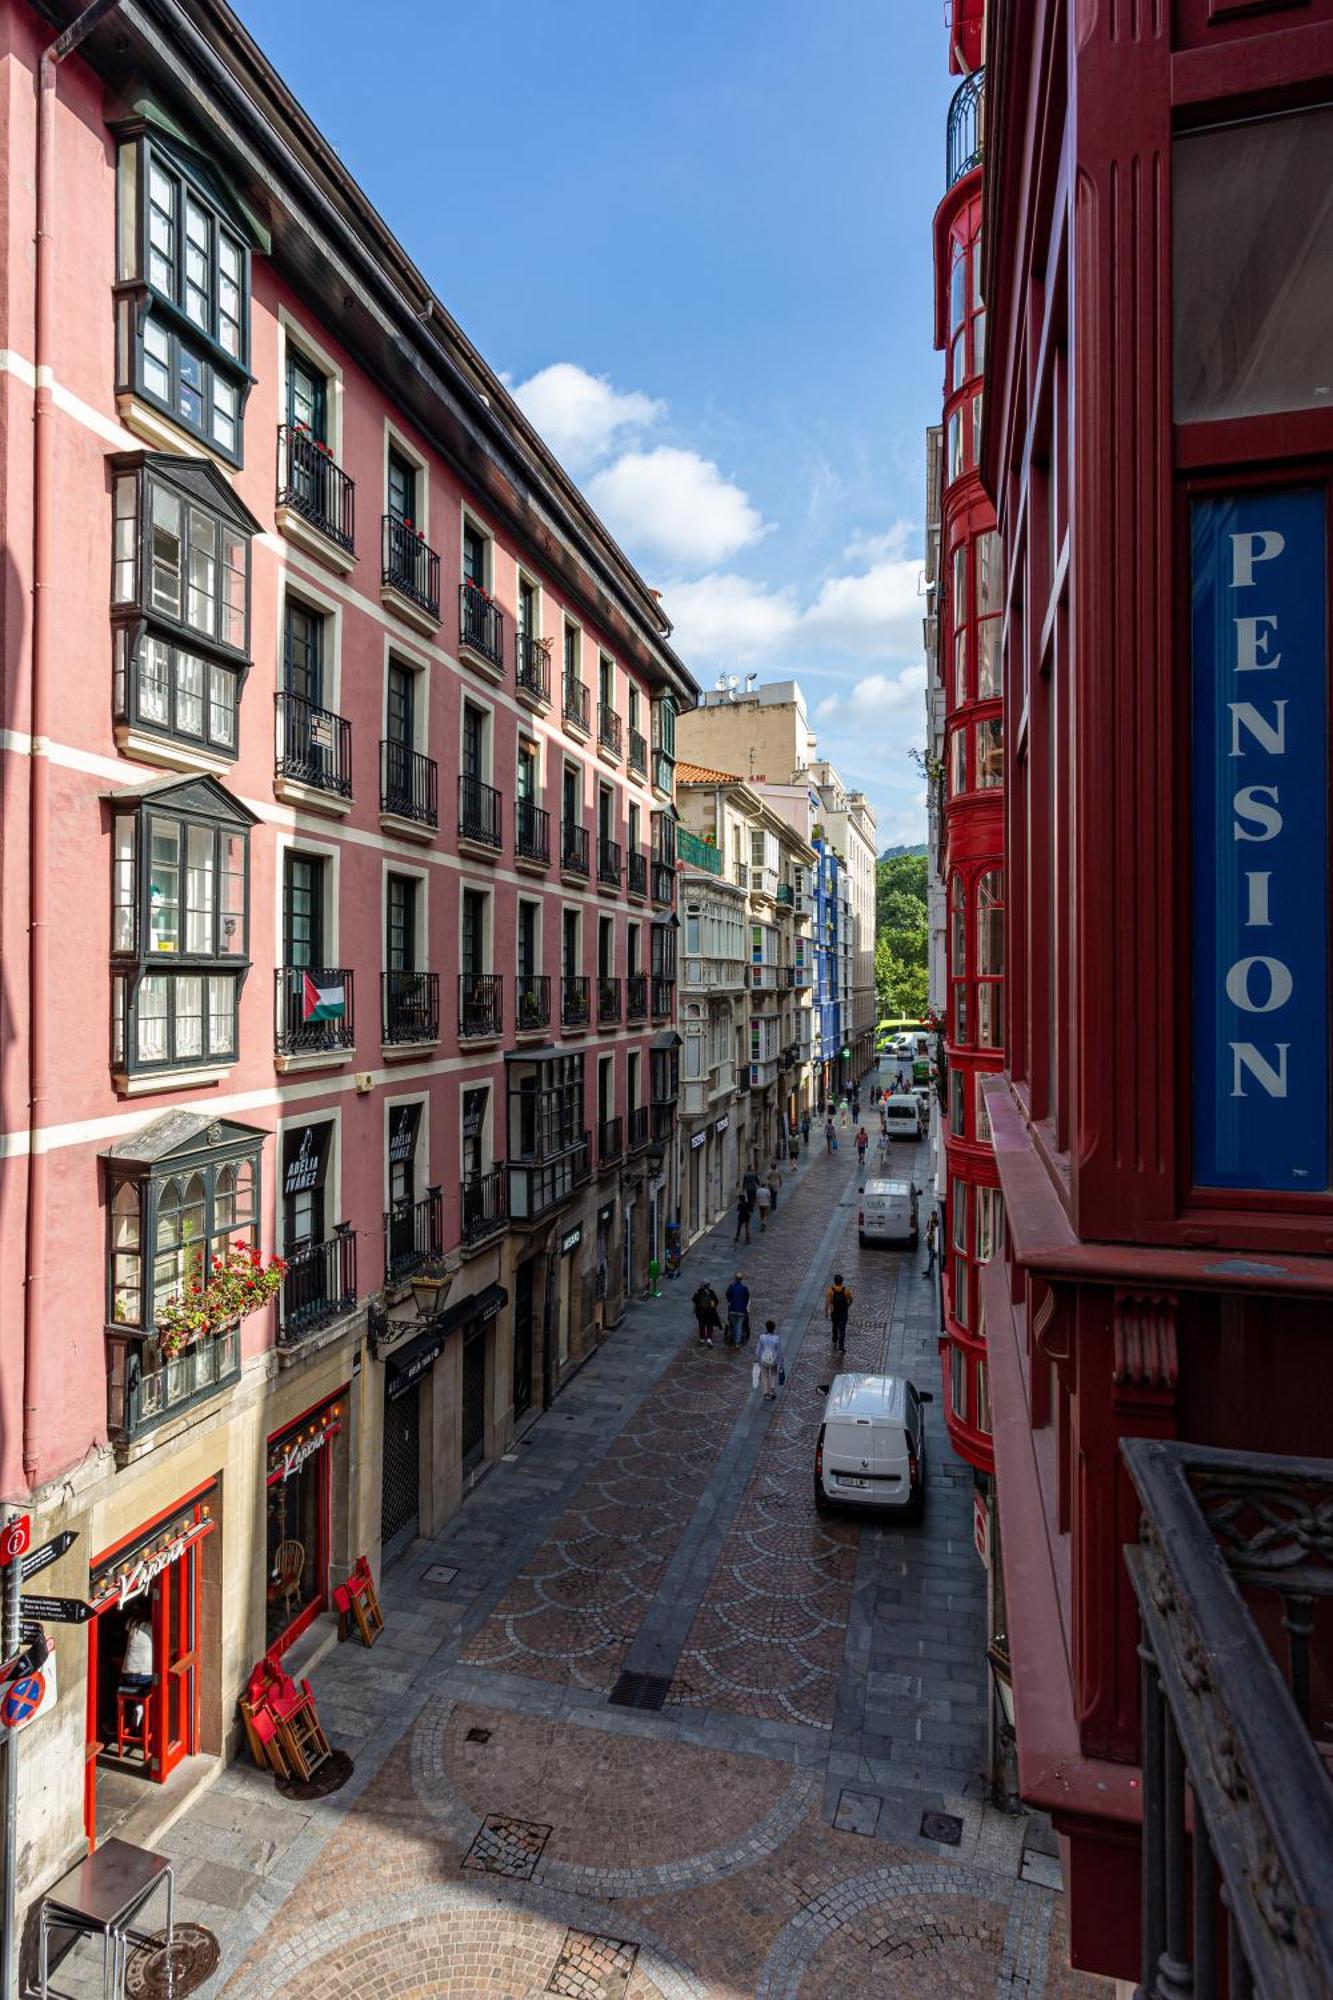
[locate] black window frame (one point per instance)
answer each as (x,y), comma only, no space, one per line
(191,803)
(142,300)
(137,619)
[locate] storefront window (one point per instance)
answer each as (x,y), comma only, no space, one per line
(300,1463)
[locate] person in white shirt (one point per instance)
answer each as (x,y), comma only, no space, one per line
(136,1669)
(769,1356)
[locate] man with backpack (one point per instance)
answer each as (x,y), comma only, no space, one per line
(837,1305)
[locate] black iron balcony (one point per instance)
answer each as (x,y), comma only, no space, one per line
(409,565)
(638,873)
(574,849)
(481,624)
(575,1000)
(314,746)
(532,1002)
(638,752)
(663,1119)
(636,997)
(319,1284)
(532,666)
(532,832)
(141,1394)
(409,784)
(608,1000)
(1236,1890)
(576,703)
(315,1014)
(610,1140)
(608,862)
(413,1234)
(664,997)
(663,882)
(314,487)
(478,813)
(409,1007)
(638,1127)
(536,1186)
(609,733)
(480,1005)
(483,1207)
(965,142)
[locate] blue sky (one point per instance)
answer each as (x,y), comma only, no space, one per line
(695,239)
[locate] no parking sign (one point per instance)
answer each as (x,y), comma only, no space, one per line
(29,1696)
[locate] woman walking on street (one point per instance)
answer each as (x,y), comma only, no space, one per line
(763,1200)
(742,1216)
(769,1356)
(830,1136)
(705,1313)
(774,1183)
(805,1128)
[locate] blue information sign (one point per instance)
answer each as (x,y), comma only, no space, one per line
(1259,669)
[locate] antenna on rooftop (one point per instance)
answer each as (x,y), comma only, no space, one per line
(727,684)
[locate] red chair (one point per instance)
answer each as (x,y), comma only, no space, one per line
(135,1734)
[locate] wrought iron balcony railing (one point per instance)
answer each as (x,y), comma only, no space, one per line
(532,1002)
(481,624)
(609,730)
(1235,1892)
(574,849)
(314,1009)
(141,1395)
(532,666)
(575,1000)
(638,1127)
(532,832)
(313,486)
(409,565)
(409,1007)
(480,1004)
(478,813)
(409,783)
(314,746)
(608,1000)
(482,1205)
(636,997)
(319,1284)
(965,141)
(610,1140)
(638,752)
(413,1234)
(608,862)
(637,881)
(575,703)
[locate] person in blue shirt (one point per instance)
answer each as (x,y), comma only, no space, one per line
(738,1310)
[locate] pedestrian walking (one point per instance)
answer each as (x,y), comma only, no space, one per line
(805,1128)
(793,1148)
(763,1201)
(738,1310)
(706,1314)
(830,1136)
(861,1143)
(842,1114)
(856,1107)
(774,1183)
(837,1306)
(932,1243)
(768,1354)
(751,1186)
(742,1217)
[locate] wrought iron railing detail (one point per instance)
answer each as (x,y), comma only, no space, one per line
(409,783)
(609,728)
(480,1004)
(575,1000)
(608,861)
(409,565)
(608,1000)
(482,1205)
(638,1127)
(575,702)
(319,1284)
(479,808)
(636,997)
(314,1009)
(532,666)
(532,832)
(965,141)
(409,1007)
(1235,1893)
(637,879)
(532,1002)
(413,1234)
(313,486)
(610,1140)
(480,623)
(314,746)
(574,849)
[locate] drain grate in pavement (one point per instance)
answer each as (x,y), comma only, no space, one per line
(639,1690)
(478,1736)
(172,1970)
(439,1573)
(947,1828)
(505,1846)
(591,1967)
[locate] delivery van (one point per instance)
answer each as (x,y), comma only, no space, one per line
(902,1116)
(888,1212)
(871,1448)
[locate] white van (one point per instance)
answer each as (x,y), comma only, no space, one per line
(902,1116)
(888,1212)
(871,1450)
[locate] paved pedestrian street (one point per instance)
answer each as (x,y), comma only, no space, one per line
(799,1809)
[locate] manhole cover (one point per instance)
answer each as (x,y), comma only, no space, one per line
(331,1776)
(439,1573)
(170,1971)
(478,1736)
(639,1690)
(944,1827)
(505,1846)
(591,1967)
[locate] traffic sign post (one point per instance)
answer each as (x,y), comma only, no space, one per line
(36,1560)
(14,1539)
(57,1610)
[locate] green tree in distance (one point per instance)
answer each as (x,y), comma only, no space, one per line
(901,937)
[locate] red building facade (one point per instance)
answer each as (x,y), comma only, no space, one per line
(1159,445)
(973,860)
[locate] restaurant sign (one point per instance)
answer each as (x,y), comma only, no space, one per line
(1259,769)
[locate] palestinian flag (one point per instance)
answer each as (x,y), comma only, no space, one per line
(322,1003)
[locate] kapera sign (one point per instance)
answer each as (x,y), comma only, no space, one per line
(1259,819)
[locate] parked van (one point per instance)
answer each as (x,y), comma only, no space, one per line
(888,1212)
(902,1116)
(871,1450)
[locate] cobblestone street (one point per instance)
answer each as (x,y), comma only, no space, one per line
(511,1830)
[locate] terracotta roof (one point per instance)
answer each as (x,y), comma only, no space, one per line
(699,774)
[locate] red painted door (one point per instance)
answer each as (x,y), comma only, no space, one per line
(176,1647)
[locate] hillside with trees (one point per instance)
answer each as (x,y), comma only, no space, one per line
(901,936)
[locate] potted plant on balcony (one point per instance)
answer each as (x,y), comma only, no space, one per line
(430,1286)
(240,1280)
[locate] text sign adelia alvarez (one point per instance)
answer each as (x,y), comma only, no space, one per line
(1259,668)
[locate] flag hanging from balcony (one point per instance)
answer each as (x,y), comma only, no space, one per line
(322,1003)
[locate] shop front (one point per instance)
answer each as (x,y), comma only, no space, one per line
(400,1466)
(147,1656)
(299,1507)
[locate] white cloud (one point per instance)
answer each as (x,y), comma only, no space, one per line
(828,707)
(676,505)
(893,542)
(580,415)
(875,611)
(723,618)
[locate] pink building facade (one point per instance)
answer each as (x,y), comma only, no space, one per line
(337,894)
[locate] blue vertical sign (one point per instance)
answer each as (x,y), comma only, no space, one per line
(1259,668)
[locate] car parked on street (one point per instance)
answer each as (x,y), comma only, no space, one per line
(871,1448)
